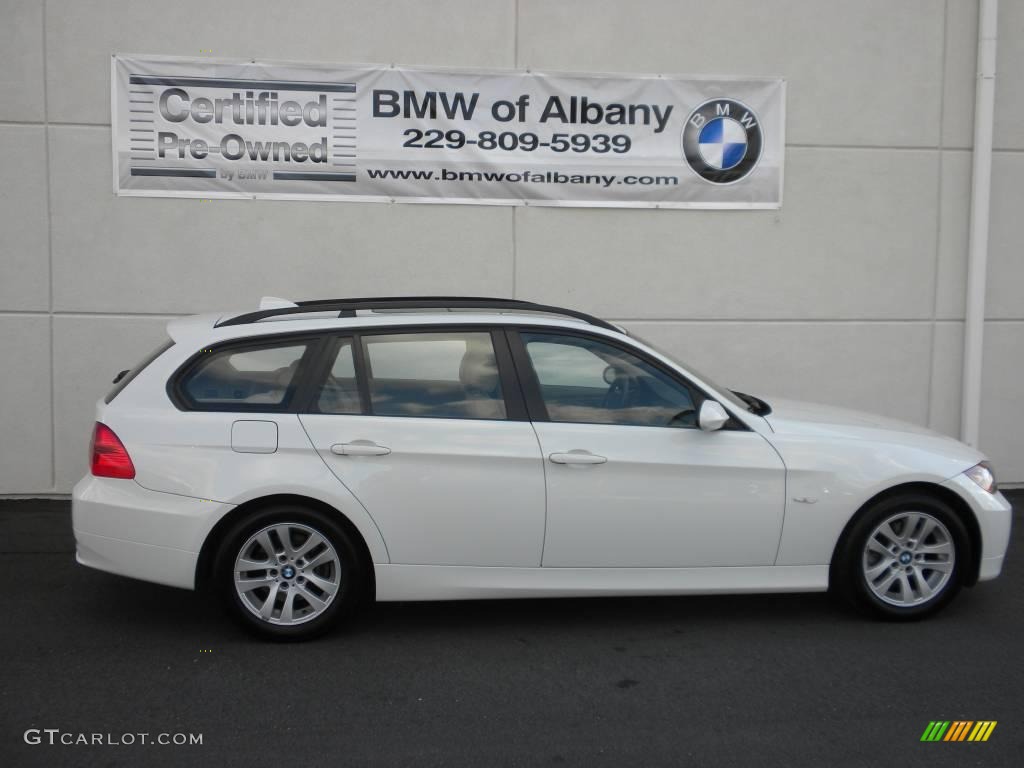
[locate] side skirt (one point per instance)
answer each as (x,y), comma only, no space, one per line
(457,582)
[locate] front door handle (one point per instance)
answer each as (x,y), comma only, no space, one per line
(360,448)
(577,457)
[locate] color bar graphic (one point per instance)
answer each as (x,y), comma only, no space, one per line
(935,730)
(982,730)
(958,730)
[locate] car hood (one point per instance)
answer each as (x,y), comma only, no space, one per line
(793,417)
(798,417)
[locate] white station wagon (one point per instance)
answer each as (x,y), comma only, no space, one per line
(306,457)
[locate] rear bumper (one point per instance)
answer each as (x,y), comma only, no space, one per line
(161,565)
(121,527)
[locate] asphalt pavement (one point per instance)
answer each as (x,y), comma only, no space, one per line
(788,680)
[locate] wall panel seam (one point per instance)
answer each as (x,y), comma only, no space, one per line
(766,320)
(775,320)
(515,38)
(46,122)
(87,313)
(49,253)
(933,336)
(789,145)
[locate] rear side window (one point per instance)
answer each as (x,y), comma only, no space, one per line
(124,378)
(249,378)
(434,375)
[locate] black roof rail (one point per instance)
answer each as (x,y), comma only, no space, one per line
(348,307)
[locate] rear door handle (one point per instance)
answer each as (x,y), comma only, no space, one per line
(360,448)
(577,457)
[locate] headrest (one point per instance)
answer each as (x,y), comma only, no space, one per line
(479,370)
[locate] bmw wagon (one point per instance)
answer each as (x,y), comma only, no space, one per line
(303,458)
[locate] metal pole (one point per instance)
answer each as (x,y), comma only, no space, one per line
(977,255)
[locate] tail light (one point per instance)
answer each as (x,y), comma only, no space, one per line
(109,457)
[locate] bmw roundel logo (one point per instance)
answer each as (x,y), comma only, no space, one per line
(722,141)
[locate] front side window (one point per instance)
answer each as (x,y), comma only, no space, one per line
(434,375)
(248,378)
(584,380)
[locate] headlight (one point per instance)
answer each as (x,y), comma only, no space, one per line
(982,475)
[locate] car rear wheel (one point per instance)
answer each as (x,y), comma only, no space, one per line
(904,558)
(289,573)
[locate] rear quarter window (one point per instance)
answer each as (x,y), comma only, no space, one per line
(243,378)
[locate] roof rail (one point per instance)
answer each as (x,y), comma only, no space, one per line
(348,307)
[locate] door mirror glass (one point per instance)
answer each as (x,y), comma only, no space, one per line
(712,416)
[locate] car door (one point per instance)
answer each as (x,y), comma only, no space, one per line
(632,481)
(431,435)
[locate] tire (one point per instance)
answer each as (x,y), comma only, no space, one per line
(312,578)
(903,558)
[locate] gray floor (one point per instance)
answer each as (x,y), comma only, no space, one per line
(755,680)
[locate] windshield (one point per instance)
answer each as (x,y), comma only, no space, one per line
(725,392)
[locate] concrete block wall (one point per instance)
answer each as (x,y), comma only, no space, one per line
(852,293)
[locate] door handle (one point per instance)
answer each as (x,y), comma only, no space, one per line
(360,448)
(577,457)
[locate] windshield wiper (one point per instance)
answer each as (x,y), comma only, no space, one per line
(757,406)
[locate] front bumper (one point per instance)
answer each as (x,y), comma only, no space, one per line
(994,514)
(121,527)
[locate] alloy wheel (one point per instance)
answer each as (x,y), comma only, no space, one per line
(287,573)
(908,559)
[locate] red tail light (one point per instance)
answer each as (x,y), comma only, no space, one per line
(109,457)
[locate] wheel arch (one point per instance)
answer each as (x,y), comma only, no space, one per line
(960,507)
(208,552)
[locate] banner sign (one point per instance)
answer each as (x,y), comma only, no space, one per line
(216,128)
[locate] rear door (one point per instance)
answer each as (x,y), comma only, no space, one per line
(428,430)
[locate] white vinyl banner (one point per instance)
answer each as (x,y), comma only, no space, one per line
(217,128)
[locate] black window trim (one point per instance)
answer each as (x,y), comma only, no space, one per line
(531,384)
(308,396)
(314,341)
(519,384)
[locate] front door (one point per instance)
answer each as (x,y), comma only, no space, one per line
(632,481)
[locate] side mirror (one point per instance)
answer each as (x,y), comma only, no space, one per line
(712,416)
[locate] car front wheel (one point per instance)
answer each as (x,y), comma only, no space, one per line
(904,558)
